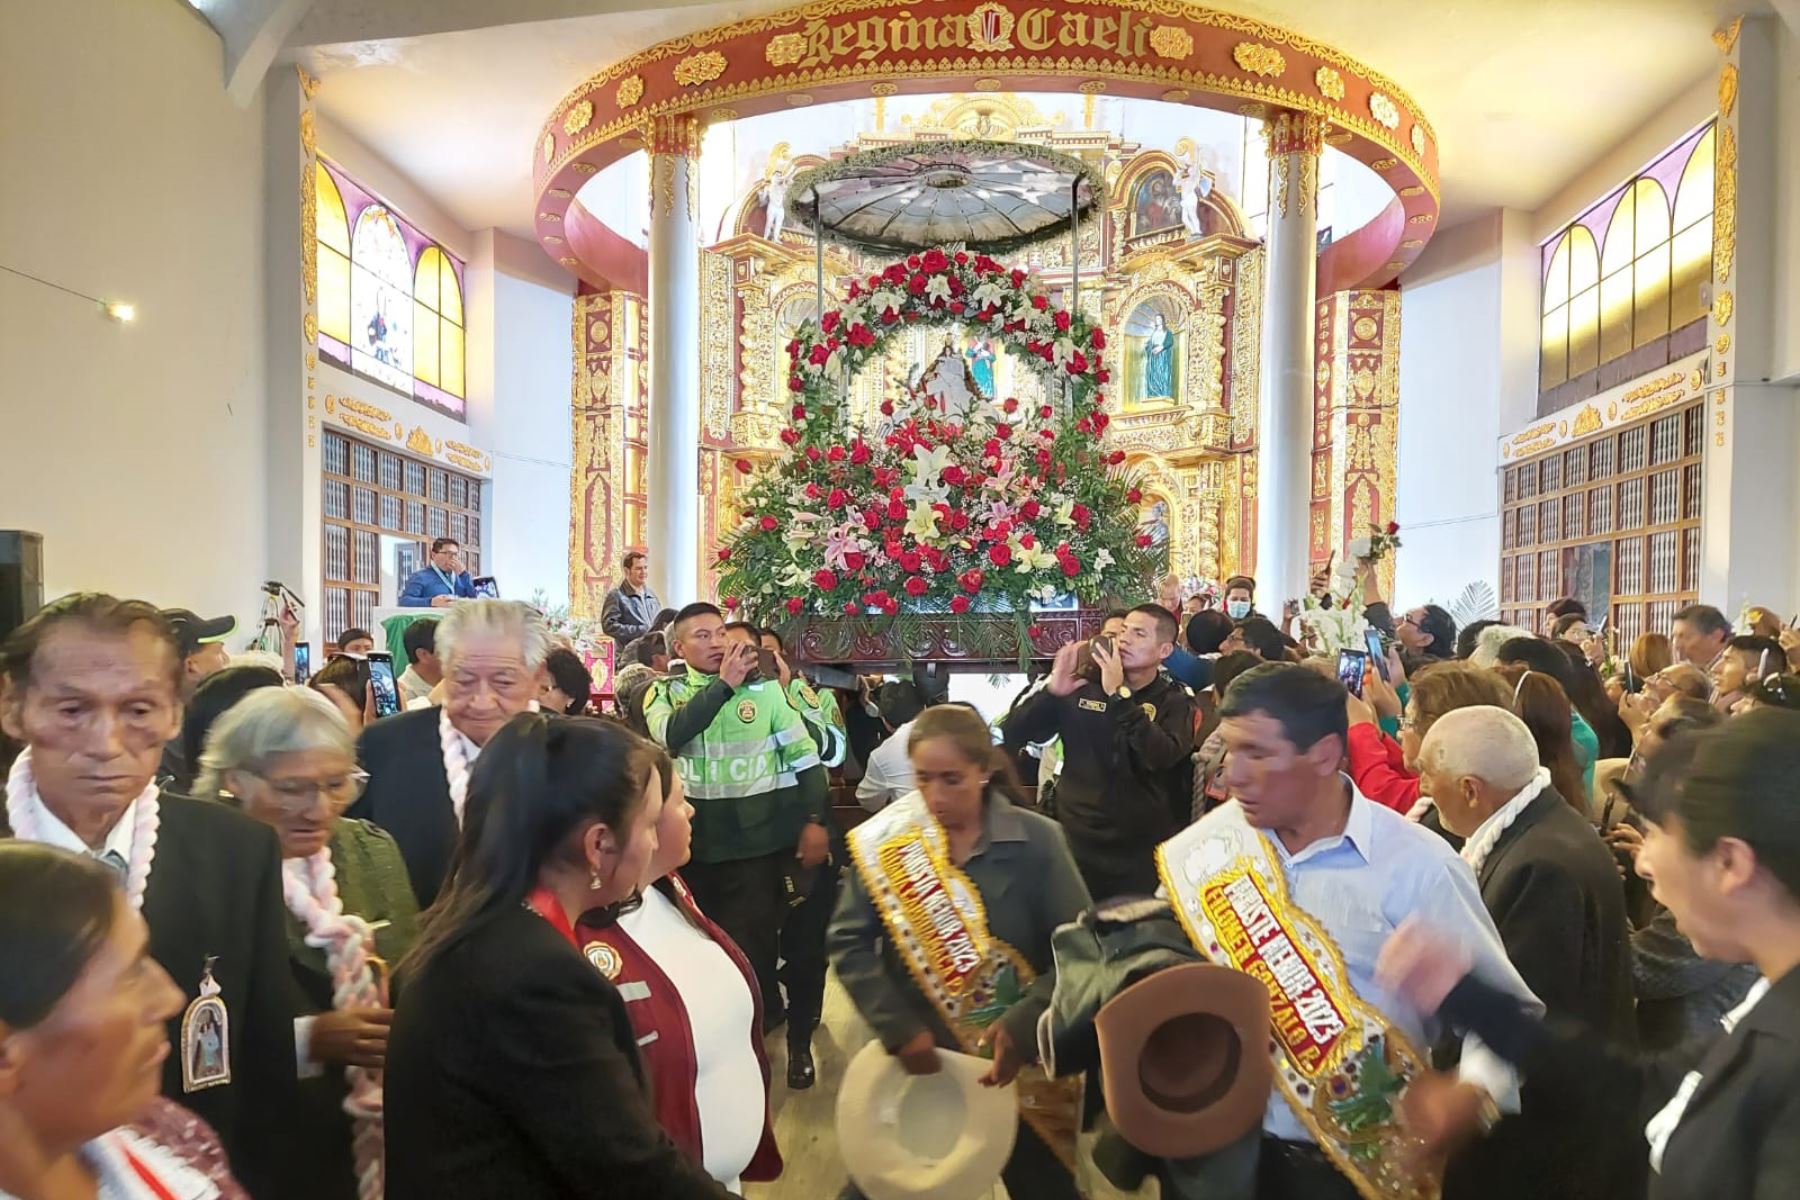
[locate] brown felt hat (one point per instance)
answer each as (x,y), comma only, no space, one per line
(1184,1055)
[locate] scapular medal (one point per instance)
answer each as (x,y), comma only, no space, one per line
(206,1037)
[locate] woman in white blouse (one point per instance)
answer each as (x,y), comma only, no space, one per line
(694,1005)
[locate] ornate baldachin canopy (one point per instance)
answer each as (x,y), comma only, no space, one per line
(995,197)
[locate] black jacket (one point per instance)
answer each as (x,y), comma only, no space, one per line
(215,892)
(1555,896)
(409,795)
(513,1072)
(1125,785)
(1735,1140)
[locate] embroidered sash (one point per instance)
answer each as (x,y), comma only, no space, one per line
(935,920)
(1339,1062)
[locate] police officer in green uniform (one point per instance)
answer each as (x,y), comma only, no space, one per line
(1127,738)
(753,774)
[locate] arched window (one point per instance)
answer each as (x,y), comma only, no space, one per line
(390,300)
(1629,273)
(333,261)
(438,323)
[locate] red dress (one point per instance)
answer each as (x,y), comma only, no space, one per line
(665,1037)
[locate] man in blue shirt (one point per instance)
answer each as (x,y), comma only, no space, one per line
(441,583)
(1357,870)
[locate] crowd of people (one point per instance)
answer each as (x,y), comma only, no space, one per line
(1527,904)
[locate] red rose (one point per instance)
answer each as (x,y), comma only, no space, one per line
(818,355)
(837,498)
(1077,363)
(1142,539)
(830,320)
(959,520)
(825,581)
(933,260)
(1030,510)
(912,260)
(962,260)
(1040,302)
(812,491)
(959,604)
(1081,516)
(896,510)
(1062,320)
(1043,458)
(855,289)
(798,412)
(724,553)
(860,336)
(812,454)
(794,605)
(1003,431)
(889,316)
(1116,457)
(1071,566)
(1010,405)
(970,580)
(1018,277)
(769,524)
(1045,411)
(916,285)
(851,608)
(1101,421)
(910,561)
(1102,376)
(742,465)
(731,603)
(957,307)
(916,585)
(1134,496)
(789,436)
(1393,527)
(796,384)
(954,476)
(859,452)
(1028,540)
(1049,435)
(854,559)
(895,273)
(835,454)
(887,408)
(1000,554)
(1034,632)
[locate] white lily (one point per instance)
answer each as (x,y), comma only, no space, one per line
(1065,514)
(1102,560)
(1064,351)
(938,288)
(927,465)
(1027,559)
(922,523)
(793,576)
(989,293)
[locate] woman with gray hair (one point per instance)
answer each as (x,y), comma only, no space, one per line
(287,758)
(492,655)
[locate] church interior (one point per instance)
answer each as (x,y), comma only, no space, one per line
(290,289)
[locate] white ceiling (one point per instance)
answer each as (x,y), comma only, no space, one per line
(1523,93)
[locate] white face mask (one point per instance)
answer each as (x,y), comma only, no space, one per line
(1237,610)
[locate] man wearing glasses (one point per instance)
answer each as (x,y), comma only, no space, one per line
(441,582)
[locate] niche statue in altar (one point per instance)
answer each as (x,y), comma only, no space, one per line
(1151,346)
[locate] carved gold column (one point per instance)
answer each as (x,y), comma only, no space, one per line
(1357,394)
(673,514)
(595,500)
(1284,429)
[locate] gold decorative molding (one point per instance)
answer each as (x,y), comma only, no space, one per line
(561,193)
(1418,140)
(1724,202)
(800,99)
(550,216)
(1176,96)
(785,49)
(988,83)
(1727,37)
(1414,190)
(883,89)
(1728,90)
(581,113)
(1421,218)
(1171,41)
(549,147)
(1722,308)
(1384,164)
(718,116)
(631,90)
(1294,133)
(309,86)
(700,68)
(419,442)
(1329,83)
(1722,343)
(1259,59)
(1382,108)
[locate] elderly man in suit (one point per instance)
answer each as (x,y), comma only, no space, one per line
(1556,896)
(93,691)
(492,656)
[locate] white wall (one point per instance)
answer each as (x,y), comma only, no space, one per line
(1450,406)
(529,435)
(136,450)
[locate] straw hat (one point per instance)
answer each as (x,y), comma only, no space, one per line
(943,1136)
(1184,1055)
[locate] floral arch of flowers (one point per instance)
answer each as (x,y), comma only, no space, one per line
(995,510)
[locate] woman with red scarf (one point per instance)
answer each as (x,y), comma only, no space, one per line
(694,1006)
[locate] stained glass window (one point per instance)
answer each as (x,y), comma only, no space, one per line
(1629,272)
(390,299)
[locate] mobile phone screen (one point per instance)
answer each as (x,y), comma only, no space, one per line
(1351,664)
(302,661)
(381,679)
(1378,652)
